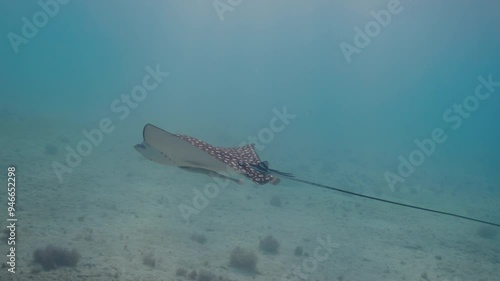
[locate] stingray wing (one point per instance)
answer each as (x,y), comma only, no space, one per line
(182,153)
(238,158)
(186,151)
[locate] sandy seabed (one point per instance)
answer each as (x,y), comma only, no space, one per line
(118,209)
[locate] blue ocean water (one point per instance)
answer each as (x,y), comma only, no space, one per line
(394,99)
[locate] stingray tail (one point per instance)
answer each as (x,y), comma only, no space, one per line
(288,175)
(392,202)
(263,167)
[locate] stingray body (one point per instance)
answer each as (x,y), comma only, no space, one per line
(198,156)
(195,155)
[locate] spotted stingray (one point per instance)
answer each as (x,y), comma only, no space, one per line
(195,155)
(198,156)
